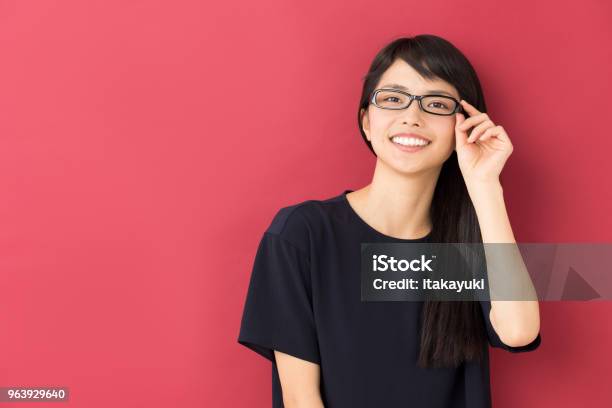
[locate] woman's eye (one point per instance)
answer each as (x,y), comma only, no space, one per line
(392,97)
(439,103)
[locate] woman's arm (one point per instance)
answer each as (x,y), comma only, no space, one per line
(482,155)
(517,322)
(300,381)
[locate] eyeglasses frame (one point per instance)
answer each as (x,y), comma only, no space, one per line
(419,98)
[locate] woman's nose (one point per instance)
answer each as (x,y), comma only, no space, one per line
(413,111)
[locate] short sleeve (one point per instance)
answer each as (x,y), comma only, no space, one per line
(278,312)
(494,339)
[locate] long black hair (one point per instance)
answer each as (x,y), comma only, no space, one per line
(451,331)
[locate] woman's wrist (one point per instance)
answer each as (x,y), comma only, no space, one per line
(483,191)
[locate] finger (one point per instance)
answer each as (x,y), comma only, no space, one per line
(474,120)
(502,135)
(479,130)
(469,108)
(473,112)
(460,135)
(491,132)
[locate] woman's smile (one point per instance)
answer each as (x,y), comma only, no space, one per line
(409,144)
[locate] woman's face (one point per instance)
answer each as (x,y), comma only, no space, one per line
(380,125)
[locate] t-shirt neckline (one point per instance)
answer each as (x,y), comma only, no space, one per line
(371,229)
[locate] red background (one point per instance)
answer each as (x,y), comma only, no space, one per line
(145,146)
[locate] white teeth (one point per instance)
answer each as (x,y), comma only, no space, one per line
(409,141)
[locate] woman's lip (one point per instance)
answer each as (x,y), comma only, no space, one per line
(411,135)
(409,149)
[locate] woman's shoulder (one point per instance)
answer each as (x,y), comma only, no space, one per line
(300,221)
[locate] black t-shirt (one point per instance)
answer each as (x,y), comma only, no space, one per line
(304,299)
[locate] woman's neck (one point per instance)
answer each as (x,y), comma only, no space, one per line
(397,204)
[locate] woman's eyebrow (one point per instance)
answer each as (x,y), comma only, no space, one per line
(403,88)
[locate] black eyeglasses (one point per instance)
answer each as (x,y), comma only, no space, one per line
(394,99)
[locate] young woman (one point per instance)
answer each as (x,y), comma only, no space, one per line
(437,179)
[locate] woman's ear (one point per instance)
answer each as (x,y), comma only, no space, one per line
(365,123)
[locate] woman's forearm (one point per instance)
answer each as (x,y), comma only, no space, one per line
(517,322)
